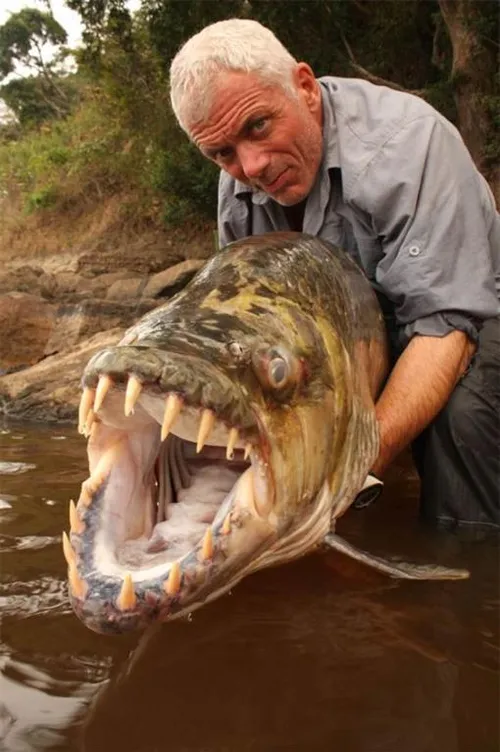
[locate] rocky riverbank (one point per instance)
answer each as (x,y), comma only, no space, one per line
(57,311)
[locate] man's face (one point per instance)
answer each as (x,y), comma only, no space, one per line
(264,137)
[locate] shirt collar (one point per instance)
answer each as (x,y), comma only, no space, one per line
(330,137)
(330,149)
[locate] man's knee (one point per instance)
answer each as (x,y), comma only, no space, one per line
(460,462)
(464,420)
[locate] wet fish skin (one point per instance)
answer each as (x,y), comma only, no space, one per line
(276,349)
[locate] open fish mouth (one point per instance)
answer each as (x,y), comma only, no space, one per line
(180,491)
(228,431)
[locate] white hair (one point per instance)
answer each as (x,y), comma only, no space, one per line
(236,44)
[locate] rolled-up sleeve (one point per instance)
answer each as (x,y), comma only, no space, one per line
(430,209)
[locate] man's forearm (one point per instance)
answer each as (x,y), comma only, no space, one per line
(418,388)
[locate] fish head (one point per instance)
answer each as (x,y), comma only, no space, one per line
(223,436)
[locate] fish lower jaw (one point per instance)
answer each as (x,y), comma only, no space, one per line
(114,588)
(147,541)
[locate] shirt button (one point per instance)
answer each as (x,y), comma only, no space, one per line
(414,250)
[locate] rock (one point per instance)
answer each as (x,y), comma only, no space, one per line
(73,286)
(139,258)
(58,309)
(76,322)
(126,289)
(168,282)
(29,279)
(69,283)
(50,390)
(32,328)
(26,325)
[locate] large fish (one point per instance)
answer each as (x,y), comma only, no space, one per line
(228,430)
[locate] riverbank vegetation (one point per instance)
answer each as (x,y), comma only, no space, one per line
(98,140)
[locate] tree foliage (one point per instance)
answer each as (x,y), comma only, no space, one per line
(104,21)
(23,37)
(43,93)
(443,50)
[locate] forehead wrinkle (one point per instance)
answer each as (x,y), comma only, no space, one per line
(231,123)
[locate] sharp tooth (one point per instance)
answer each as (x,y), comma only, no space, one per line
(206,427)
(77,585)
(134,387)
(86,493)
(100,469)
(127,598)
(75,523)
(102,389)
(173,584)
(207,547)
(244,490)
(231,443)
(86,403)
(89,423)
(90,486)
(173,407)
(226,525)
(250,497)
(248,449)
(69,553)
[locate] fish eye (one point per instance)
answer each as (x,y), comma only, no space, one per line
(278,372)
(277,369)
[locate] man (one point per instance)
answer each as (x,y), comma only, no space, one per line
(383,175)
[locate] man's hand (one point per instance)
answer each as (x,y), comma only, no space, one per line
(418,388)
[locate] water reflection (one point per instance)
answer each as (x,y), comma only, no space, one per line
(318,655)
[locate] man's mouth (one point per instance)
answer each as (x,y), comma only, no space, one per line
(278,183)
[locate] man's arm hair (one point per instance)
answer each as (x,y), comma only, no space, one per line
(417,390)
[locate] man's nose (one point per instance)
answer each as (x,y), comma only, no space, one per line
(253,160)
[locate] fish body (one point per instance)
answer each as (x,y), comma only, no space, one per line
(227,432)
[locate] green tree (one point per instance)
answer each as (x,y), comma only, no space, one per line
(23,45)
(23,37)
(103,20)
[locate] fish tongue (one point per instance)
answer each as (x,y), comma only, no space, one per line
(157,544)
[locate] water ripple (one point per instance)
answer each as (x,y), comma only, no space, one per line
(36,597)
(27,542)
(15,468)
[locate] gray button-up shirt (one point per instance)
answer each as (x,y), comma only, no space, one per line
(398,191)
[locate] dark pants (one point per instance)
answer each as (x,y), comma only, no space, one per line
(458,456)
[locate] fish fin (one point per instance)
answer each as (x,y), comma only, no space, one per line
(400,569)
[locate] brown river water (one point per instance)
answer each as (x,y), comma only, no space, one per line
(322,654)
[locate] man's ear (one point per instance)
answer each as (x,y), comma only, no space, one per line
(308,87)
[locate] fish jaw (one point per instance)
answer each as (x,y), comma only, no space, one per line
(134,556)
(126,566)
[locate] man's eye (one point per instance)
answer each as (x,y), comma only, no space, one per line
(224,154)
(258,125)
